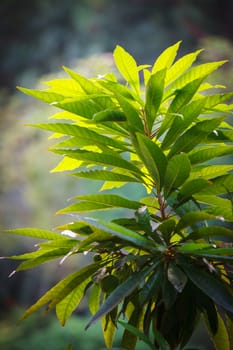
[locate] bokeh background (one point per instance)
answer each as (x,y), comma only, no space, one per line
(38,37)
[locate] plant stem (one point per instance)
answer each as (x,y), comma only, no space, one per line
(162,206)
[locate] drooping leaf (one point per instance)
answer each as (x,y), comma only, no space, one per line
(176,277)
(221,338)
(66,306)
(109,329)
(121,292)
(211,286)
(94,298)
(178,169)
(62,289)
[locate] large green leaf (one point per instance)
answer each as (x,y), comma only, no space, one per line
(178,169)
(121,292)
(38,258)
(82,107)
(153,158)
(105,176)
(90,136)
(221,207)
(180,66)
(154,95)
(192,218)
(88,86)
(127,66)
(34,233)
(100,201)
(190,188)
(220,185)
(210,172)
(46,96)
(197,72)
(210,231)
(177,125)
(101,159)
(184,95)
(120,231)
(166,58)
(216,289)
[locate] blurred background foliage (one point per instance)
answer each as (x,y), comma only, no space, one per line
(37,38)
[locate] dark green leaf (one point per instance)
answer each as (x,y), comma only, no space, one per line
(178,169)
(154,95)
(121,292)
(217,290)
(195,135)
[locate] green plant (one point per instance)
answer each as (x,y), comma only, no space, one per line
(168,261)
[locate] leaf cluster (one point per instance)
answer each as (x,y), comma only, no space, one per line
(169,260)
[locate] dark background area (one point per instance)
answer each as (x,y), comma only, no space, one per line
(37,37)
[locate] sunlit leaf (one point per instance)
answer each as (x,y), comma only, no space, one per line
(166,58)
(34,233)
(153,158)
(127,66)
(67,305)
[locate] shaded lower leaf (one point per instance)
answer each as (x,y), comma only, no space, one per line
(121,292)
(216,289)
